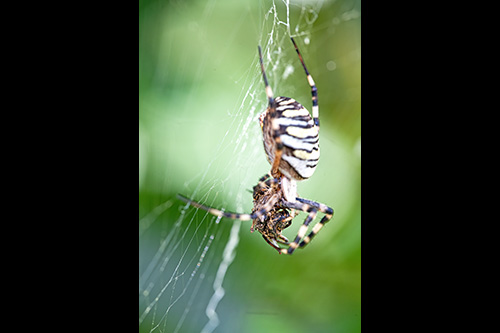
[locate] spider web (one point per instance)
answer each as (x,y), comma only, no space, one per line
(185,255)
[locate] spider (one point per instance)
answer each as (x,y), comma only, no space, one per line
(291,143)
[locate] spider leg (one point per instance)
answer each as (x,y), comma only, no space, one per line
(278,152)
(275,124)
(267,181)
(269,91)
(314,90)
(315,231)
(328,211)
(302,231)
(312,208)
(273,243)
(321,207)
(265,177)
(283,240)
(264,180)
(235,216)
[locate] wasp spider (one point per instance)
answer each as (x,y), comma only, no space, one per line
(291,143)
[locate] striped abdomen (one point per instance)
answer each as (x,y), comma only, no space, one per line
(298,134)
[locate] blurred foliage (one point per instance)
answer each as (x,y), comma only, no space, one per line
(195,58)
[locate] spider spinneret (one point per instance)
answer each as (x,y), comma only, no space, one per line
(291,143)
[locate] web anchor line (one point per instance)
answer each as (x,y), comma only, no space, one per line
(227,258)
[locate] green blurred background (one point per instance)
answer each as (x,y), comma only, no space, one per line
(200,93)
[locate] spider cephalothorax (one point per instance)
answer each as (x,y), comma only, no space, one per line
(291,142)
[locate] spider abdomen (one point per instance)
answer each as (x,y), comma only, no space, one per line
(297,133)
